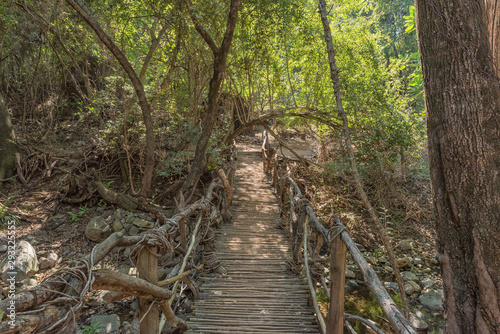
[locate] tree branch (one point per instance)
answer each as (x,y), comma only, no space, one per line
(203,33)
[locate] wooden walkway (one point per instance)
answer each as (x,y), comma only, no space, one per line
(258,294)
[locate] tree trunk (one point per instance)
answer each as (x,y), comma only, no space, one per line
(8,148)
(352,160)
(462,97)
(493,13)
(210,115)
(85,14)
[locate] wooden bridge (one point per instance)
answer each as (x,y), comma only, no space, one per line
(257,294)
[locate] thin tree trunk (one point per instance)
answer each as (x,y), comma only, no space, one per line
(210,115)
(350,151)
(8,148)
(85,14)
(462,97)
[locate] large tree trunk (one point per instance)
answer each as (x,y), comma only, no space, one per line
(210,115)
(8,148)
(462,97)
(493,13)
(85,14)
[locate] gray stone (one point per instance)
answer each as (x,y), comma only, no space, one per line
(48,262)
(428,282)
(415,286)
(143,223)
(433,300)
(405,245)
(3,248)
(350,274)
(419,324)
(391,285)
(382,260)
(97,229)
(28,283)
(409,276)
(127,252)
(109,323)
(117,225)
(25,264)
(388,269)
(409,289)
(118,214)
(134,230)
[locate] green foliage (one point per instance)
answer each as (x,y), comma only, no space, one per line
(76,216)
(93,328)
(7,215)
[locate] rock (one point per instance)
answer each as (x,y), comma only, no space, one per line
(28,283)
(48,262)
(409,276)
(3,248)
(428,282)
(433,300)
(419,324)
(133,328)
(391,285)
(134,230)
(97,229)
(388,269)
(118,214)
(415,286)
(188,305)
(143,223)
(409,289)
(371,260)
(117,225)
(404,262)
(350,274)
(382,260)
(132,271)
(108,323)
(127,252)
(350,286)
(405,245)
(25,265)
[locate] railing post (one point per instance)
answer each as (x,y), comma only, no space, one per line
(335,318)
(147,265)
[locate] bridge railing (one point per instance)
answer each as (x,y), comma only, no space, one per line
(54,305)
(300,218)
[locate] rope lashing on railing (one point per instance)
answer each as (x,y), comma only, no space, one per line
(153,238)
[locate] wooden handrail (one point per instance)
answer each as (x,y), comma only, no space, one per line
(390,309)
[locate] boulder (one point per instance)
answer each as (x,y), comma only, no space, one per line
(97,229)
(433,300)
(25,264)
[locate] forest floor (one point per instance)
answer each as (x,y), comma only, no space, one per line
(53,226)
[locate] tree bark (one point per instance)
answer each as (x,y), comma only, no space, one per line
(210,115)
(352,161)
(85,14)
(462,97)
(8,148)
(493,13)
